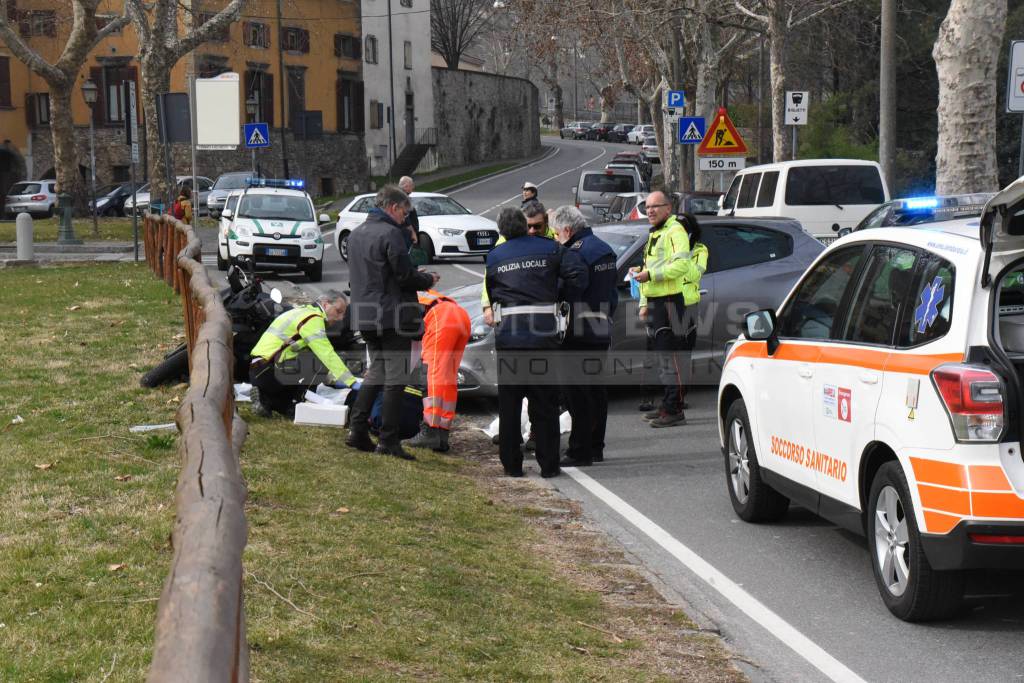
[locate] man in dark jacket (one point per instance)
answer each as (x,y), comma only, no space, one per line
(588,337)
(523,281)
(385,310)
(412,219)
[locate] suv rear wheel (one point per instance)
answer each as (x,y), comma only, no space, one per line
(910,588)
(752,499)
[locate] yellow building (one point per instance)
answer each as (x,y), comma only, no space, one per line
(317,42)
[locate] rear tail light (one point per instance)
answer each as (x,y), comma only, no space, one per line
(38,197)
(997,538)
(973,398)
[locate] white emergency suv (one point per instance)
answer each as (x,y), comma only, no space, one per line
(886,395)
(274,227)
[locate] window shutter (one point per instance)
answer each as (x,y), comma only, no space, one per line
(357,48)
(30,110)
(358,122)
(303,40)
(50,24)
(99,110)
(5,82)
(267,98)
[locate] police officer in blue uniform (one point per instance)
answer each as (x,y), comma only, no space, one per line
(527,278)
(588,337)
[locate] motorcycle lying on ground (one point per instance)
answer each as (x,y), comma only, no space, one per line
(251,310)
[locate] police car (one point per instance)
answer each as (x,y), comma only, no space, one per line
(274,227)
(886,395)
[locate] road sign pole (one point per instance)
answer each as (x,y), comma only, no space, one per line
(1020,160)
(253,150)
(794,142)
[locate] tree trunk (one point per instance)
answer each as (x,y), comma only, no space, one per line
(156,79)
(887,94)
(777,80)
(966,57)
(65,155)
(705,97)
(559,106)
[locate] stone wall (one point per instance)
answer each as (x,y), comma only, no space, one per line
(332,165)
(483,117)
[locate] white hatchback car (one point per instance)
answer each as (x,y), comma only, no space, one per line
(274,227)
(886,395)
(447,228)
(637,135)
(224,228)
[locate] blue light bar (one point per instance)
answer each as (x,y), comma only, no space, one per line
(287,183)
(919,203)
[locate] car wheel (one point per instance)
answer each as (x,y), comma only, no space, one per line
(752,499)
(343,245)
(427,245)
(910,588)
(222,263)
(316,273)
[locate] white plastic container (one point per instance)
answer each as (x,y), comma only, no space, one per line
(321,415)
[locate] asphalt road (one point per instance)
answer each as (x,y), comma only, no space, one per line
(802,604)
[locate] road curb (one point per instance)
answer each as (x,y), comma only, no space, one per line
(88,248)
(548,151)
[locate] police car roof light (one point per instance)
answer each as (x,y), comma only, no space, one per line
(287,183)
(920,203)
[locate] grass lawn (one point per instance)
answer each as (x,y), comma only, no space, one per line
(358,567)
(45,230)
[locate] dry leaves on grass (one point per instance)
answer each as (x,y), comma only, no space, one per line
(116,567)
(45,465)
(123,477)
(342,510)
(74,308)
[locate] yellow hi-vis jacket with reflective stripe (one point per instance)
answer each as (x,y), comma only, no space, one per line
(296,330)
(668,260)
(691,288)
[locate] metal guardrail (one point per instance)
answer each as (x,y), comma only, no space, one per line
(426,136)
(200,625)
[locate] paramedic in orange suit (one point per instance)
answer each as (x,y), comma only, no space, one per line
(446,329)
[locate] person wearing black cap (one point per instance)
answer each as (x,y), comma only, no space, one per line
(529,193)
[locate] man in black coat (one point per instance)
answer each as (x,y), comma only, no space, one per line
(412,219)
(385,310)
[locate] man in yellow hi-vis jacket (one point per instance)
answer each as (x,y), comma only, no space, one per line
(669,282)
(294,331)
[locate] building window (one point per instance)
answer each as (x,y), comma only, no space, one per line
(221,36)
(259,86)
(405,3)
(102,20)
(376,114)
(121,174)
(256,34)
(350,104)
(38,23)
(37,109)
(371,49)
(408,54)
(296,95)
(110,105)
(346,46)
(5,82)
(294,39)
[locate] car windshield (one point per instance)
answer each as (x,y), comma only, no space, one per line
(25,188)
(109,189)
(233,181)
(607,182)
(620,242)
(280,207)
(144,188)
(438,206)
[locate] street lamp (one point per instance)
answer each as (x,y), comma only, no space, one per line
(89,93)
(251,105)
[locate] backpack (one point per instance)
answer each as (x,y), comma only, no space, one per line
(178,211)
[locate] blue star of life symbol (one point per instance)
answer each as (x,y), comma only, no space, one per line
(928,310)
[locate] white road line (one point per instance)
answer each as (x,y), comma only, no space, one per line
(467,270)
(545,182)
(511,170)
(747,603)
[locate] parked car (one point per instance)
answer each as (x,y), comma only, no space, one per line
(637,135)
(916,210)
(580,129)
(630,168)
(226,182)
(569,131)
(750,262)
(601,130)
(447,228)
(697,203)
(34,197)
(825,195)
(110,199)
(141,204)
(225,222)
(638,160)
(619,132)
(650,149)
(628,206)
(595,189)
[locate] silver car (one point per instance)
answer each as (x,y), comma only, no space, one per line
(752,264)
(141,204)
(226,182)
(35,197)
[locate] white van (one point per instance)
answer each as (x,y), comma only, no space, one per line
(825,195)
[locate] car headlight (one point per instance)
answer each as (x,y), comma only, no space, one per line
(310,233)
(451,232)
(244,232)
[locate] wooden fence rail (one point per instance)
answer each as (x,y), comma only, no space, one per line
(200,626)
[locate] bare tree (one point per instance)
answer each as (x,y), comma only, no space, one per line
(163,40)
(455,24)
(966,56)
(60,77)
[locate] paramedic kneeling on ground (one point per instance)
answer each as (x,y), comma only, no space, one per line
(522,279)
(293,332)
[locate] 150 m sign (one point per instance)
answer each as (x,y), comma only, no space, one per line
(722,163)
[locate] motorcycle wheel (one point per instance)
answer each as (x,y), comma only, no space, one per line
(172,368)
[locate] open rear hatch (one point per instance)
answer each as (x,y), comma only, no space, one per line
(1002,226)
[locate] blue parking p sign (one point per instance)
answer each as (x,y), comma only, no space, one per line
(257,135)
(691,130)
(675,99)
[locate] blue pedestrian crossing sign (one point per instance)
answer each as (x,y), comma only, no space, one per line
(691,130)
(257,135)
